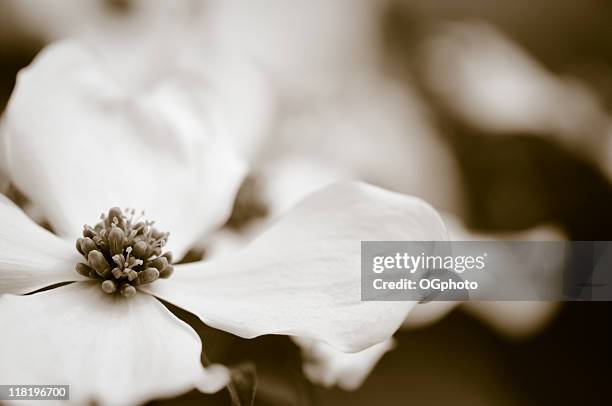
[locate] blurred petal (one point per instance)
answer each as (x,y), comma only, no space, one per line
(30,256)
(517,272)
(212,378)
(4,179)
(514,319)
(305,46)
(108,349)
(289,180)
(97,145)
(302,276)
(242,92)
(496,85)
(56,19)
(228,241)
(371,129)
(4,182)
(426,314)
(326,366)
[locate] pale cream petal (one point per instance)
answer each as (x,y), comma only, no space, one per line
(109,349)
(30,256)
(326,366)
(96,144)
(302,276)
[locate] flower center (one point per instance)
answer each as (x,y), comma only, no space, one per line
(123,251)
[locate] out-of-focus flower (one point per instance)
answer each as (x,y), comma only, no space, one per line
(97,144)
(285,181)
(521,319)
(337,106)
(499,87)
(305,46)
(371,129)
(59,19)
(513,319)
(492,83)
(137,41)
(241,89)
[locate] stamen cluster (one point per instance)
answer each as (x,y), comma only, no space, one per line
(122,252)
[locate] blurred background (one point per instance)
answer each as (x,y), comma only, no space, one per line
(497,113)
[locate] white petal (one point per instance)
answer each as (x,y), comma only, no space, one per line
(108,349)
(96,144)
(30,256)
(326,366)
(302,276)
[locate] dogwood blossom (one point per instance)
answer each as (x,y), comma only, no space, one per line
(76,143)
(289,179)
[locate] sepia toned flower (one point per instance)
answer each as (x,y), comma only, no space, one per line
(94,146)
